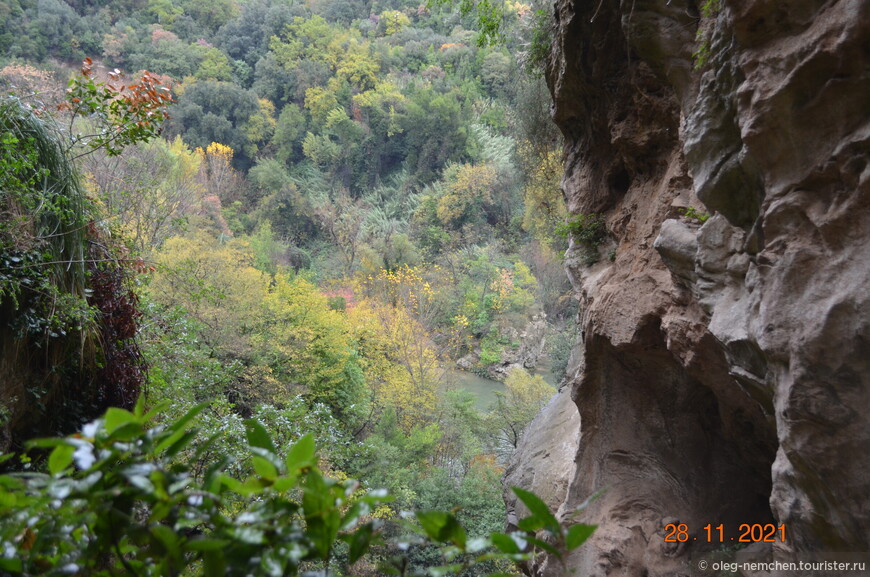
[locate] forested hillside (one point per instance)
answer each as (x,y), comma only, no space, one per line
(347,201)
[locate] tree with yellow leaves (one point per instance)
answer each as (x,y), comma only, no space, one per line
(468,191)
(311,345)
(399,360)
(544,204)
(217,284)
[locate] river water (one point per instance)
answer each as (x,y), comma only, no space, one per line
(485,389)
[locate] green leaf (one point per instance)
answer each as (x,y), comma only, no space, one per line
(175,442)
(61,458)
(285,483)
(44,443)
(168,538)
(577,535)
(258,436)
(541,517)
(532,523)
(320,501)
(139,409)
(301,454)
(505,543)
(156,410)
(249,487)
(206,544)
(360,542)
(443,527)
(11,565)
(116,418)
(127,432)
(185,420)
(545,546)
(264,468)
(214,563)
(9,483)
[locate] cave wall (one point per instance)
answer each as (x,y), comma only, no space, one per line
(723,369)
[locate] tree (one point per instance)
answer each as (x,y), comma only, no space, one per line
(468,192)
(434,132)
(342,220)
(217,176)
(524,397)
(399,360)
(544,206)
(281,202)
(302,338)
(148,190)
(215,283)
(289,129)
(212,111)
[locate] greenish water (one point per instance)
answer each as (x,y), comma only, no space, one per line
(482,388)
(485,389)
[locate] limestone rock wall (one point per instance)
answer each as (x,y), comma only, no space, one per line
(723,374)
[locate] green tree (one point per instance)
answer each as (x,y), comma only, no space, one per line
(215,112)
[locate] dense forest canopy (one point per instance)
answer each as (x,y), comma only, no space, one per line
(347,198)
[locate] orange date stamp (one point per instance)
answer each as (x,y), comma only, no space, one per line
(747,533)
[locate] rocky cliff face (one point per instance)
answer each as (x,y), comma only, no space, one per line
(723,376)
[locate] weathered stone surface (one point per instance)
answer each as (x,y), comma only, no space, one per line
(525,353)
(548,466)
(725,368)
(677,244)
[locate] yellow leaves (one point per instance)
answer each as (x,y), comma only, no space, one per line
(260,126)
(188,161)
(383,93)
(469,187)
(518,8)
(474,180)
(312,341)
(320,102)
(400,363)
(526,393)
(216,283)
(358,66)
(218,150)
(544,204)
(402,287)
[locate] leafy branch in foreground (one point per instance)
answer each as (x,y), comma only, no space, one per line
(122,114)
(118,499)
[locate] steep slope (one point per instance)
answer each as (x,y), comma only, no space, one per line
(723,371)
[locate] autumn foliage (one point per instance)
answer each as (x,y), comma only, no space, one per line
(124,114)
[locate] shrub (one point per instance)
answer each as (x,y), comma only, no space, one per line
(116,501)
(585,228)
